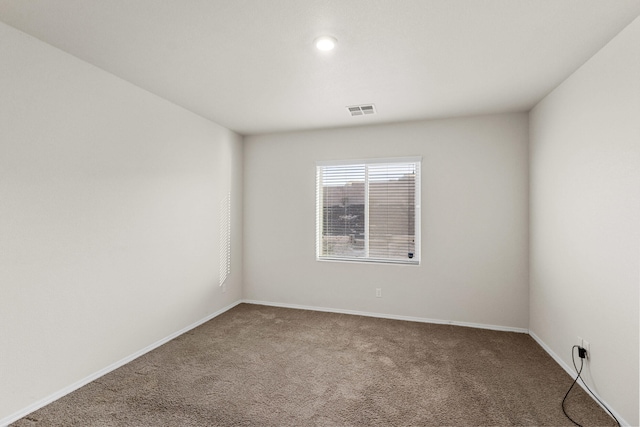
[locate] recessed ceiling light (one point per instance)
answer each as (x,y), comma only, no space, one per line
(325,43)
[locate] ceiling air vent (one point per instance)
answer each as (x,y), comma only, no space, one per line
(362,110)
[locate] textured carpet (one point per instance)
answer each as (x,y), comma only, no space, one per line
(267,366)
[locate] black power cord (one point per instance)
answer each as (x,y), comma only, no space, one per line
(582,353)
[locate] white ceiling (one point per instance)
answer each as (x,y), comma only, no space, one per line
(250,65)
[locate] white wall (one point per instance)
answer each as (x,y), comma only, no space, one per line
(585,218)
(108,219)
(474,221)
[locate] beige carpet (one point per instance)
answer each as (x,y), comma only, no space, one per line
(266,366)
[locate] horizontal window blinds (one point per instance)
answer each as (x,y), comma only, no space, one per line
(225,238)
(368,211)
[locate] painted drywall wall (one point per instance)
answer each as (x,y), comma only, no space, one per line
(585,219)
(109,210)
(474,221)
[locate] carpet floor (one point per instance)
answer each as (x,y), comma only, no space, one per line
(266,366)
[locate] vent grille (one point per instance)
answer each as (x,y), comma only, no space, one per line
(362,110)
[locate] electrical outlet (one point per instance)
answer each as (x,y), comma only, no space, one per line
(378,292)
(585,344)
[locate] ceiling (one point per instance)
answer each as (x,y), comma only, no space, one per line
(250,65)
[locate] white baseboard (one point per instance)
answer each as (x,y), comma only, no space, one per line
(390,316)
(57,395)
(573,375)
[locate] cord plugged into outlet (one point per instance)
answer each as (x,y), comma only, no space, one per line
(584,344)
(582,353)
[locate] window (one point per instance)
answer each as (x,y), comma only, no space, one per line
(225,238)
(368,210)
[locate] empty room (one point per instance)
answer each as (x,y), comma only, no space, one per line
(319,213)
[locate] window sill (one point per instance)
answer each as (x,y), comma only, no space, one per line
(369,261)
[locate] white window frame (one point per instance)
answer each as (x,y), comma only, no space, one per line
(320,205)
